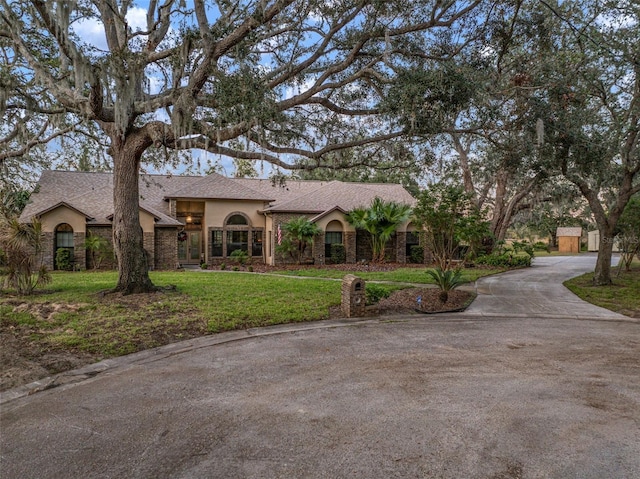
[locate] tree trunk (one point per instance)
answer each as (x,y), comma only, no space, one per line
(467,178)
(498,228)
(602,274)
(133,265)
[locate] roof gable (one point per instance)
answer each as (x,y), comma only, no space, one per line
(63,204)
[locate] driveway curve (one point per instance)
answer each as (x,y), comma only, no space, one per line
(538,291)
(456,396)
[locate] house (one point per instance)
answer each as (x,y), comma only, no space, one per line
(569,239)
(194,219)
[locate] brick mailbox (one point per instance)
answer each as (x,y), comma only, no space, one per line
(353,296)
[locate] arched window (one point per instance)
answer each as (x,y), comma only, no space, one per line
(63,241)
(237,233)
(332,235)
(235,220)
(64,236)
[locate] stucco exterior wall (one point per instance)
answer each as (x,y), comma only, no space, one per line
(147,222)
(60,215)
(334,216)
(217,211)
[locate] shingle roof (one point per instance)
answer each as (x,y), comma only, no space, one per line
(569,231)
(91,194)
(345,196)
(279,194)
(218,187)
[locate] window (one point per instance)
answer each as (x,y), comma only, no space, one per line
(237,220)
(331,237)
(256,243)
(237,240)
(64,236)
(216,243)
(413,239)
(63,248)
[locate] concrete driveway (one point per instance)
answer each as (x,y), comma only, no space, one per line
(481,395)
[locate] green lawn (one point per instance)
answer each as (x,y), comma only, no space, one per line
(623,296)
(400,275)
(71,315)
(202,303)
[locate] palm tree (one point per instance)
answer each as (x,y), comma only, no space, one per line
(381,220)
(298,233)
(22,245)
(98,248)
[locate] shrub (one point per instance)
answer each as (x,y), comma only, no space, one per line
(240,256)
(204,265)
(338,253)
(416,254)
(541,246)
(223,266)
(64,261)
(505,260)
(375,292)
(525,246)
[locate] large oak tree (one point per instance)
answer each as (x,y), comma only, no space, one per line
(591,114)
(290,79)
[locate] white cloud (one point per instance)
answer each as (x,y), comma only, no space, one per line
(91,30)
(137,19)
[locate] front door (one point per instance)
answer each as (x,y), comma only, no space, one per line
(189,250)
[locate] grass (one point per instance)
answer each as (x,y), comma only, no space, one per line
(72,317)
(203,303)
(400,275)
(623,296)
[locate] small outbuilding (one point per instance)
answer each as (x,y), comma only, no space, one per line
(593,243)
(569,239)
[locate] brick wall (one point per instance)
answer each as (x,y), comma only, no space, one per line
(79,252)
(281,219)
(401,247)
(109,261)
(318,250)
(166,248)
(48,253)
(149,245)
(365,253)
(349,239)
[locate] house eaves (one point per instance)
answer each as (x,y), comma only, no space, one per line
(329,211)
(44,211)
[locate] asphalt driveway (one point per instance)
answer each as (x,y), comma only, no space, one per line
(539,392)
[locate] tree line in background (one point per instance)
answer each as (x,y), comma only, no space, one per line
(530,108)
